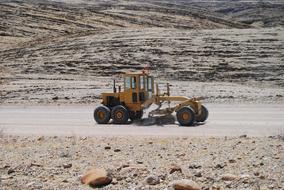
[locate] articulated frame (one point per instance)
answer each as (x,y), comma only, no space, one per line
(159,100)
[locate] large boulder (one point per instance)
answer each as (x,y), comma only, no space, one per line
(97,177)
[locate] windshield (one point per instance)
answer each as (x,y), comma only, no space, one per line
(133,82)
(142,85)
(150,84)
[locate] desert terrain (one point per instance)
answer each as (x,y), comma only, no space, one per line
(56,52)
(58,56)
(213,163)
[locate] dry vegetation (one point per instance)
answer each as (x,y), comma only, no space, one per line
(1,132)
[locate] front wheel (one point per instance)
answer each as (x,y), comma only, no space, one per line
(119,114)
(185,116)
(102,114)
(203,116)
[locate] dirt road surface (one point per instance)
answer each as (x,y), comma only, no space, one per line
(224,120)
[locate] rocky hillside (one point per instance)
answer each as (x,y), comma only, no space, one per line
(45,18)
(256,13)
(209,55)
(44,41)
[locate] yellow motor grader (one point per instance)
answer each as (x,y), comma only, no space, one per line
(138,95)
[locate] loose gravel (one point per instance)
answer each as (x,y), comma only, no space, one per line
(142,162)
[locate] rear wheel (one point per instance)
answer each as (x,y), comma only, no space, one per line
(203,116)
(119,114)
(102,114)
(185,116)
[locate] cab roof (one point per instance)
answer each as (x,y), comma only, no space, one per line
(135,73)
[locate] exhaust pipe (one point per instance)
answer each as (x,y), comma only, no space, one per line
(114,88)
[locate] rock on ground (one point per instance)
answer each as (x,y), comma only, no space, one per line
(185,184)
(96,177)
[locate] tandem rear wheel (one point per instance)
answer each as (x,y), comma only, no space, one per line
(102,115)
(119,114)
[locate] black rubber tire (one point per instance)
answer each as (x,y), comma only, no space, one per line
(203,116)
(122,111)
(105,119)
(189,112)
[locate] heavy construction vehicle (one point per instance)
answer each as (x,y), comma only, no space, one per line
(139,94)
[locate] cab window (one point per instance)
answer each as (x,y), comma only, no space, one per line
(142,82)
(149,84)
(127,83)
(133,82)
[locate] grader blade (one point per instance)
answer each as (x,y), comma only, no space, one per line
(162,120)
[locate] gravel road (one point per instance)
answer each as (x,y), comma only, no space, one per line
(224,120)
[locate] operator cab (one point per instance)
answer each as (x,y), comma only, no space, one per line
(140,85)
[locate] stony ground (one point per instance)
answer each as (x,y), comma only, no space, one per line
(224,163)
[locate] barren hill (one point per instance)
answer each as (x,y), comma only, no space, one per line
(43,18)
(180,40)
(257,13)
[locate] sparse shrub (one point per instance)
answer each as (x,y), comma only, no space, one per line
(280,136)
(1,132)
